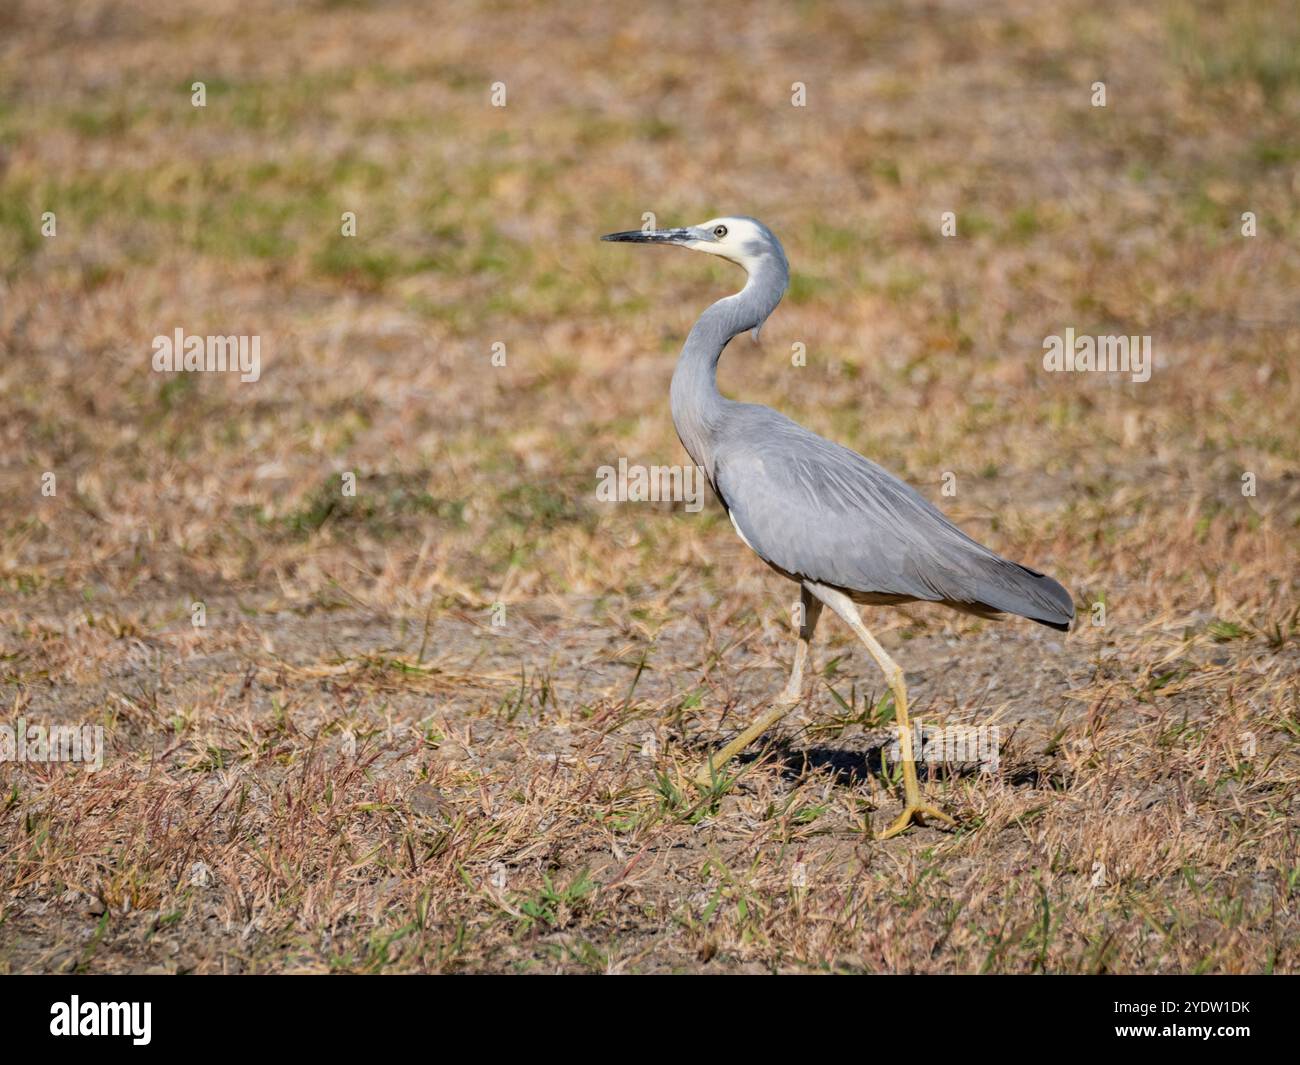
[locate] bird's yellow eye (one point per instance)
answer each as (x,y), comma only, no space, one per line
(719,231)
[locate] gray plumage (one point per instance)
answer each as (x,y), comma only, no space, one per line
(811,509)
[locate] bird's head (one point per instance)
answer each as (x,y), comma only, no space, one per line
(744,241)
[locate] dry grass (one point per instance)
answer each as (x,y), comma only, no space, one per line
(351,767)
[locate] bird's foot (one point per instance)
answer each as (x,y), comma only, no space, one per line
(710,773)
(918,812)
(706,778)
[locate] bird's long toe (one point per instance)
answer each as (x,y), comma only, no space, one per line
(918,813)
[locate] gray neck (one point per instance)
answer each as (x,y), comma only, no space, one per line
(697,404)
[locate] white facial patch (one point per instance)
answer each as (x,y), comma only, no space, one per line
(742,235)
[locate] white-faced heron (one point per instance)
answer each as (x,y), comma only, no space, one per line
(844,529)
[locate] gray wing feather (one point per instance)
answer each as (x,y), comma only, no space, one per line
(817,511)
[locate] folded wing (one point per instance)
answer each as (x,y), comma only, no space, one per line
(818,511)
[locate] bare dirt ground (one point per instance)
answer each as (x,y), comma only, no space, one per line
(443,724)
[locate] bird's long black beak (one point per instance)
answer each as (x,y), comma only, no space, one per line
(651,236)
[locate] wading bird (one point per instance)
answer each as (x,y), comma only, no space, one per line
(841,527)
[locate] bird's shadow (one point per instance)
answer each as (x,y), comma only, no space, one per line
(848,767)
(845,767)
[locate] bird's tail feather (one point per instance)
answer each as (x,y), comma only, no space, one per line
(1007,587)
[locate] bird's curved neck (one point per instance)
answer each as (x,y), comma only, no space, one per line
(697,404)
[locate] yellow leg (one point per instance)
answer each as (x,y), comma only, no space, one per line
(914,809)
(781,705)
